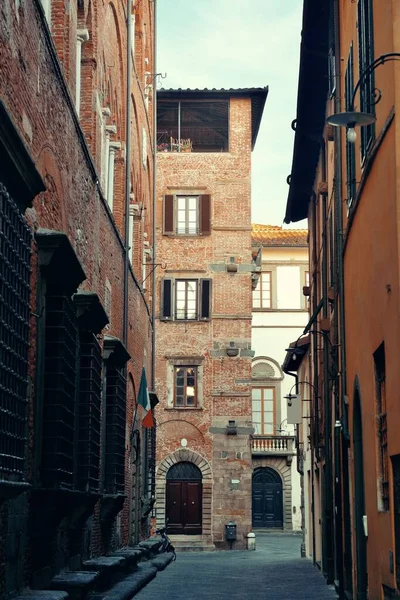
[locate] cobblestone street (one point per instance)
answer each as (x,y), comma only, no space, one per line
(274,571)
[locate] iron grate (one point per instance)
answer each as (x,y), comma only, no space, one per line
(89,412)
(115,432)
(15,254)
(61,345)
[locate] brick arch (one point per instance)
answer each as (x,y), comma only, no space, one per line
(181,455)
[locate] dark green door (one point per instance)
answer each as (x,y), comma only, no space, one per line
(267,502)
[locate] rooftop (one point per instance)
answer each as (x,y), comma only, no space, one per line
(274,235)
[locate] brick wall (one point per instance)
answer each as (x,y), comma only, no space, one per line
(226,177)
(37,87)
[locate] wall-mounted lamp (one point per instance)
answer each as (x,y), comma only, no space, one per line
(351,119)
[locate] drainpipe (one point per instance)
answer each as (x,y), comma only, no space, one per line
(315,413)
(328,564)
(127,166)
(154,208)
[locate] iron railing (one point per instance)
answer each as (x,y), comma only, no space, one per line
(89,412)
(115,431)
(60,378)
(15,253)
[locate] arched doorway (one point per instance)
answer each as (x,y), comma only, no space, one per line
(267,502)
(184,499)
(359,492)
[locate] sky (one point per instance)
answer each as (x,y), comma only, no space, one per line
(239,44)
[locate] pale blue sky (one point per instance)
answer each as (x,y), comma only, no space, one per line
(241,43)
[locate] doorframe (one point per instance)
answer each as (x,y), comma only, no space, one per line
(284,470)
(260,468)
(185,455)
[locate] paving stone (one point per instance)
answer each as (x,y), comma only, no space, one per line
(274,571)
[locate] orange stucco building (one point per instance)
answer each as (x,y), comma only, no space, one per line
(349,189)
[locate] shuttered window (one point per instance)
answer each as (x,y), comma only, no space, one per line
(185,299)
(366,57)
(187,214)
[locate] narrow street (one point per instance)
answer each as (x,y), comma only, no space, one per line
(274,571)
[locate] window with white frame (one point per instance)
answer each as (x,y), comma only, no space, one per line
(263,410)
(185,299)
(262,295)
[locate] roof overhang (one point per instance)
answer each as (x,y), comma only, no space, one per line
(311,107)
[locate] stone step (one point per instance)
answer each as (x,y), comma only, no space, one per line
(76,583)
(132,557)
(162,560)
(43,595)
(152,544)
(108,567)
(195,548)
(130,585)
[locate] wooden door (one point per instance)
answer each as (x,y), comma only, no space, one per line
(267,499)
(184,499)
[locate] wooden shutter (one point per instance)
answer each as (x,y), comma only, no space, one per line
(168,214)
(167,309)
(205,299)
(205,214)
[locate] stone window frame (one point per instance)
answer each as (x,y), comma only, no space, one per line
(185,361)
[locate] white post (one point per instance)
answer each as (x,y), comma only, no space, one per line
(251,541)
(82,36)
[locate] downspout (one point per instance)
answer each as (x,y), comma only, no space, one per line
(315,420)
(127,167)
(328,509)
(154,208)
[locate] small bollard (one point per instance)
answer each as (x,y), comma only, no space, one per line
(251,541)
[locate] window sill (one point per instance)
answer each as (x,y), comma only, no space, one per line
(199,408)
(12,489)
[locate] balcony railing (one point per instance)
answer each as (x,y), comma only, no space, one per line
(273,444)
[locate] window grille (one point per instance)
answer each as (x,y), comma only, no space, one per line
(115,431)
(89,412)
(61,345)
(15,241)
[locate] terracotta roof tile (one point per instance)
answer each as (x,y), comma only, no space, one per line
(274,235)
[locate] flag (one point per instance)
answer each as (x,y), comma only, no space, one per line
(144,401)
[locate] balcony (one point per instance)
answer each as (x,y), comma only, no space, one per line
(274,445)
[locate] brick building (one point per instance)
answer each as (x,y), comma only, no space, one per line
(203,311)
(76,194)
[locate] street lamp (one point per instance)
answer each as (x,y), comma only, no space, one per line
(352,118)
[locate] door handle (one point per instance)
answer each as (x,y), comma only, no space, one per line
(192,502)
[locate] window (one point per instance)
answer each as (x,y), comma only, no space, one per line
(350,148)
(185,385)
(263,409)
(381,422)
(15,258)
(366,56)
(262,297)
(187,214)
(82,36)
(192,125)
(185,299)
(331,54)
